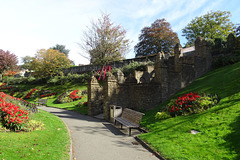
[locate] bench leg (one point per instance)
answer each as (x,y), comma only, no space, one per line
(129,131)
(121,126)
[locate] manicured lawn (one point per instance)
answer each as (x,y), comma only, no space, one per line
(219,126)
(51,143)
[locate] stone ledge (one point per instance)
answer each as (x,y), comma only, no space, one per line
(146,146)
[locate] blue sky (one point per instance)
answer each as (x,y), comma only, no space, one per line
(29,25)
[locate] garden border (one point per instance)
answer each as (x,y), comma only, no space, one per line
(146,146)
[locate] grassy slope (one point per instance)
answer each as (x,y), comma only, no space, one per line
(51,143)
(219,126)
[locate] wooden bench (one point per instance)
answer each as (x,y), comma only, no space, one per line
(42,101)
(130,119)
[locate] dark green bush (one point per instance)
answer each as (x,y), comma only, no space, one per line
(229,59)
(130,68)
(74,78)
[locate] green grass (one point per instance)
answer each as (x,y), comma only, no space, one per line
(51,143)
(219,127)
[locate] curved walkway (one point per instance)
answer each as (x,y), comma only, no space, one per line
(95,139)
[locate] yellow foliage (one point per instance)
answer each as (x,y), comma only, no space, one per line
(49,62)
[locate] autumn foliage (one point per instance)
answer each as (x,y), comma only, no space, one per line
(8,61)
(104,42)
(49,62)
(10,73)
(156,38)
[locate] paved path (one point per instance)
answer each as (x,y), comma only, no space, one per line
(95,139)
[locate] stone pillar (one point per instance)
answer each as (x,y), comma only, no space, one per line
(109,89)
(202,50)
(161,76)
(177,61)
(120,76)
(94,99)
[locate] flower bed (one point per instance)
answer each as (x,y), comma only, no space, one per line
(183,104)
(29,94)
(74,95)
(48,95)
(2,84)
(188,104)
(13,116)
(3,88)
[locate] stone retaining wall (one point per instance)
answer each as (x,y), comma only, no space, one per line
(145,90)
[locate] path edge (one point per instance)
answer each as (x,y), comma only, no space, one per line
(147,147)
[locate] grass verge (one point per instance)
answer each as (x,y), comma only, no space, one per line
(219,127)
(51,143)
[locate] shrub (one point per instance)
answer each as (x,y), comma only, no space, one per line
(190,103)
(13,116)
(53,80)
(229,59)
(74,78)
(162,115)
(131,67)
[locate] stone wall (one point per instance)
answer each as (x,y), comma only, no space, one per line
(149,88)
(116,64)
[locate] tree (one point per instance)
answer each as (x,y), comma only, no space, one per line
(8,61)
(61,49)
(237,31)
(156,38)
(209,26)
(47,63)
(27,60)
(104,42)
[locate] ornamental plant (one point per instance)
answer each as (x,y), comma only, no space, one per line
(29,94)
(74,95)
(3,88)
(62,97)
(190,103)
(12,116)
(3,84)
(48,95)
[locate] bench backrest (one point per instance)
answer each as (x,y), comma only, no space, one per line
(132,116)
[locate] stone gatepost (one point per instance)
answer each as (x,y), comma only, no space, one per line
(177,62)
(109,88)
(120,76)
(161,76)
(202,50)
(95,98)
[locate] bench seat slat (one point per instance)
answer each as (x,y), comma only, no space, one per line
(126,122)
